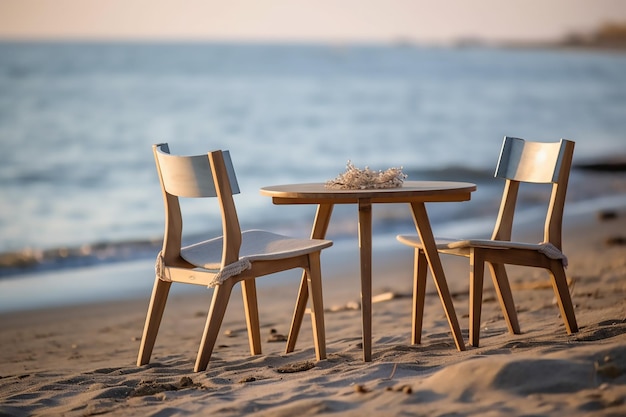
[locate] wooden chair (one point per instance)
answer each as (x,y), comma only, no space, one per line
(520,161)
(223,261)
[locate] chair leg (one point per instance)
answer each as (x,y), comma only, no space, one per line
(314,274)
(248,289)
(477,273)
(420,269)
(505,296)
(219,302)
(320,225)
(561,290)
(298,314)
(158,299)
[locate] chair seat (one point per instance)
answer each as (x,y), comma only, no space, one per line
(256,245)
(449,243)
(462,246)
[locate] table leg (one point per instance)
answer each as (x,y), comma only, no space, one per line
(365,248)
(320,226)
(430,249)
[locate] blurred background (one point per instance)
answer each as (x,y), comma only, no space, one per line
(295,90)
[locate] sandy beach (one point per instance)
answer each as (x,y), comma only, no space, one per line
(80,361)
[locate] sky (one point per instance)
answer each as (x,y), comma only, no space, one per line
(305,20)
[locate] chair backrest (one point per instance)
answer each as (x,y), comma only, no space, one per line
(197,176)
(535,162)
(190,176)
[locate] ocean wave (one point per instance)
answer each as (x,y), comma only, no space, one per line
(29,260)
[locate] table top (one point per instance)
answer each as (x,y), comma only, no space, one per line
(410,191)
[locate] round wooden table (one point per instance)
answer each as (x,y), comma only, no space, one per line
(414,193)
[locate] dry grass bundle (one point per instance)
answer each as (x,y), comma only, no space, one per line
(361,179)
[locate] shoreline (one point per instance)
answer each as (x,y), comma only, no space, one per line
(133,279)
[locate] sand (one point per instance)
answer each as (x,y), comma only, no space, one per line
(80,360)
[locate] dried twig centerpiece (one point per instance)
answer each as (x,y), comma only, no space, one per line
(362,179)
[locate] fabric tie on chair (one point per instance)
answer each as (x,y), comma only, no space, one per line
(223,274)
(159,267)
(553,252)
(230,270)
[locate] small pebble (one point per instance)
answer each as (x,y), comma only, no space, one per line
(615,241)
(607,215)
(360,388)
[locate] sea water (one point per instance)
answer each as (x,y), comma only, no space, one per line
(78,185)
